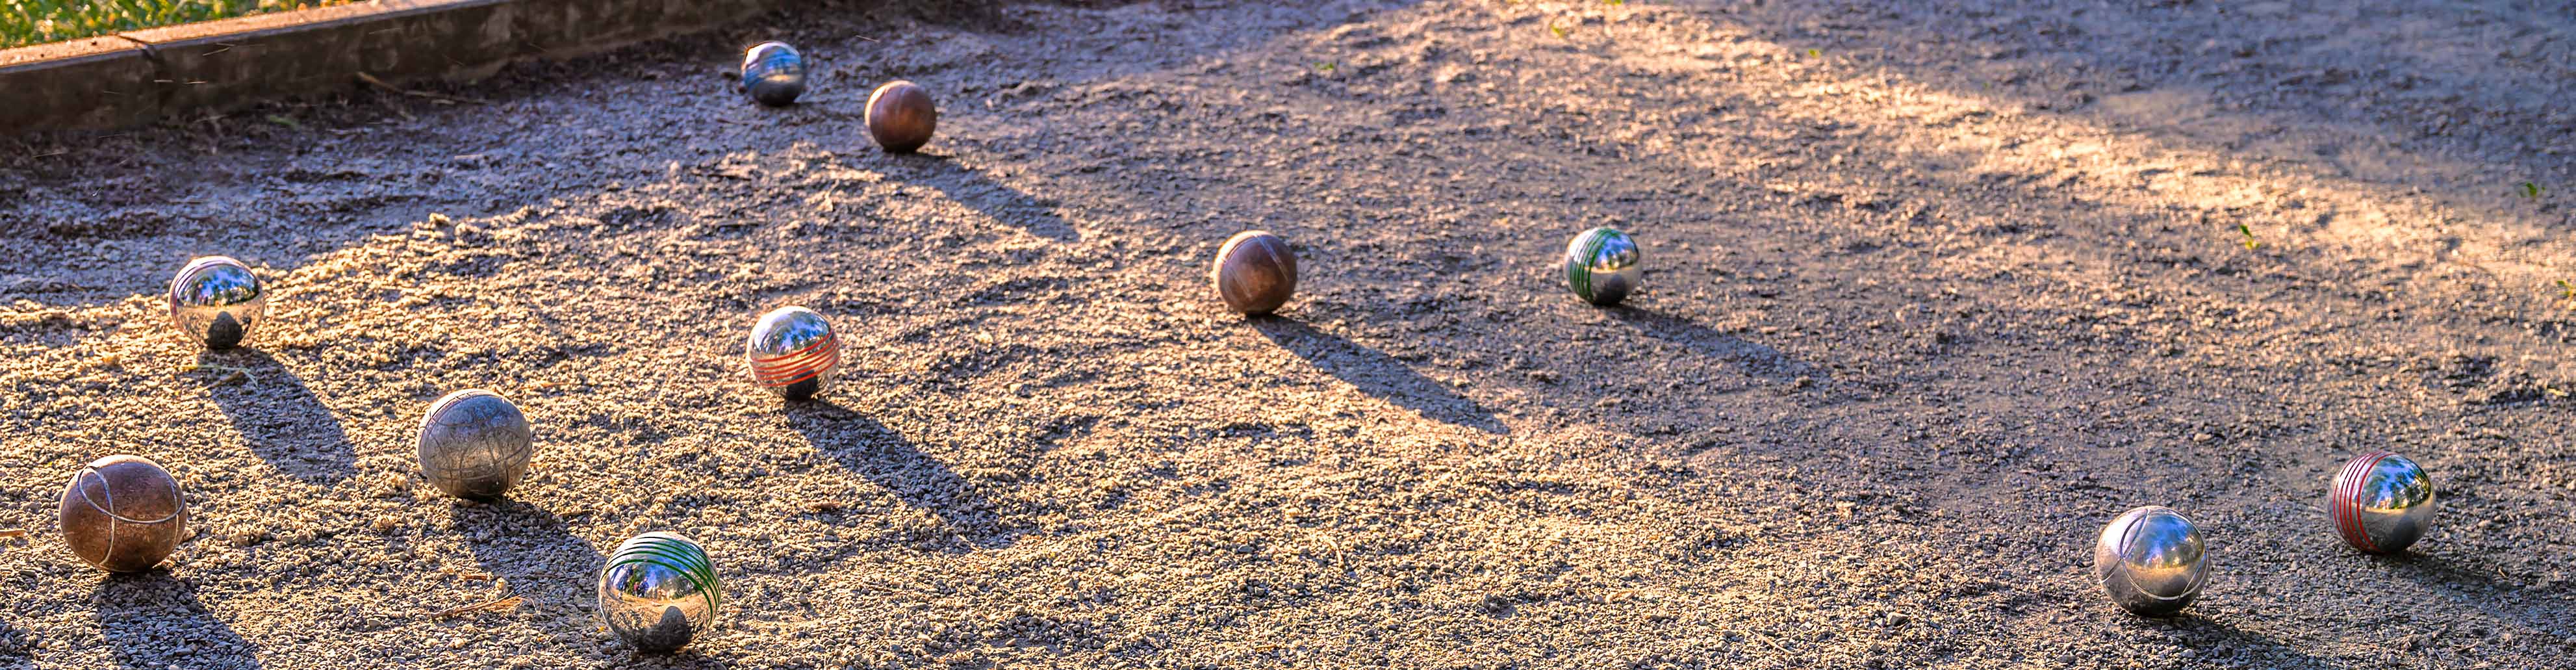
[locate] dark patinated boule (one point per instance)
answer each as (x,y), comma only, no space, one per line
(901,116)
(793,353)
(1255,272)
(773,74)
(215,301)
(2381,502)
(2151,561)
(474,444)
(123,514)
(1601,266)
(659,592)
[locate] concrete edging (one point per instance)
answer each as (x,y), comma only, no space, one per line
(141,76)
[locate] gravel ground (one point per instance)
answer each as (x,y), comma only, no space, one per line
(1932,293)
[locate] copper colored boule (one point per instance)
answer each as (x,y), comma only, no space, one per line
(1255,272)
(901,116)
(123,514)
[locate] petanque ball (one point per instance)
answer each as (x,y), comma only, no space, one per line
(2151,561)
(215,300)
(793,353)
(659,592)
(773,74)
(901,116)
(123,514)
(1255,272)
(2381,502)
(474,444)
(1601,266)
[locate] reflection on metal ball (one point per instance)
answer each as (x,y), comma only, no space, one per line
(1601,266)
(659,591)
(474,444)
(123,514)
(793,352)
(215,300)
(2381,502)
(2151,561)
(773,73)
(1255,272)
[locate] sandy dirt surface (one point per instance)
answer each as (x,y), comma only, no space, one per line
(1932,293)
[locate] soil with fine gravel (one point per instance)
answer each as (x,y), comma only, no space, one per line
(1933,291)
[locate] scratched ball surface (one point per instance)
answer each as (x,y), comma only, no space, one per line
(1601,266)
(901,116)
(123,513)
(1255,272)
(475,444)
(659,592)
(793,353)
(2381,502)
(215,301)
(773,74)
(2151,561)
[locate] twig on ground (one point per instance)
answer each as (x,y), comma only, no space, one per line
(371,80)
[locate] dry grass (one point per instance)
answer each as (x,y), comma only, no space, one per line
(29,22)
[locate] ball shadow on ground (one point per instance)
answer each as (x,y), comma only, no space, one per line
(2538,610)
(971,188)
(1756,360)
(1377,374)
(883,456)
(278,416)
(153,620)
(2252,649)
(529,550)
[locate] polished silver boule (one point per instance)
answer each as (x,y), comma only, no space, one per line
(659,591)
(474,444)
(215,300)
(2151,561)
(1601,266)
(2381,502)
(773,73)
(793,352)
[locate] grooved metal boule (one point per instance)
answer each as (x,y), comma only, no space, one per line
(1255,272)
(123,514)
(2151,561)
(475,444)
(659,591)
(773,74)
(2381,502)
(793,353)
(215,301)
(1601,266)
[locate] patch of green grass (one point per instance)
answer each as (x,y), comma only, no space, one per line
(26,22)
(2531,190)
(2248,232)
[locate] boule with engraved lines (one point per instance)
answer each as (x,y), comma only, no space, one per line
(793,353)
(659,592)
(123,513)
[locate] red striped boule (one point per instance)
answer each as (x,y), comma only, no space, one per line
(1255,272)
(901,116)
(123,514)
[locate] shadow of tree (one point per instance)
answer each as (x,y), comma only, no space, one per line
(1757,360)
(883,456)
(1377,374)
(970,187)
(279,417)
(535,557)
(155,621)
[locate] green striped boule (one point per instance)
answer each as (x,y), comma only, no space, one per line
(1601,266)
(659,591)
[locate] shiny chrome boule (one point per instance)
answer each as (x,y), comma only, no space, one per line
(215,300)
(2381,502)
(1601,266)
(474,444)
(793,352)
(659,591)
(773,74)
(2151,561)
